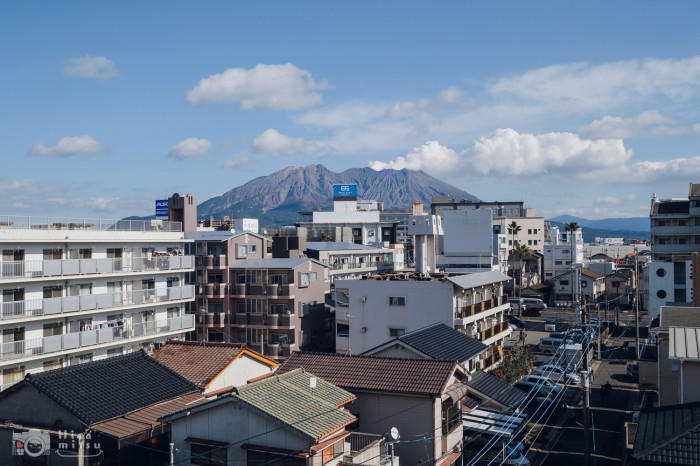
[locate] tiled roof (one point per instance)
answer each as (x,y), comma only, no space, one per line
(591,274)
(200,362)
(669,435)
(279,263)
(679,316)
(416,376)
(104,389)
(472,280)
(440,341)
(288,398)
(492,387)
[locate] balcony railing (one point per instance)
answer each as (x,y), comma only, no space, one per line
(474,309)
(493,331)
(211,261)
(491,360)
(59,267)
(254,289)
(213,289)
(52,344)
(271,320)
(22,222)
(64,304)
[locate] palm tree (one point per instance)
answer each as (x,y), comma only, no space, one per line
(522,251)
(513,229)
(571,228)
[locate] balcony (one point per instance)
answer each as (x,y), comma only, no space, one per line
(493,331)
(268,320)
(369,449)
(91,302)
(213,290)
(491,360)
(211,319)
(473,309)
(63,267)
(26,348)
(21,222)
(271,290)
(211,261)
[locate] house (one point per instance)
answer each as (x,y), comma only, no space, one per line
(592,286)
(436,341)
(667,435)
(370,311)
(214,366)
(620,284)
(420,397)
(487,390)
(294,418)
(106,410)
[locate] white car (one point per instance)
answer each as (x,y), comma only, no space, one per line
(557,373)
(545,381)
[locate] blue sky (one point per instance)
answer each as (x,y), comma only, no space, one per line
(574,107)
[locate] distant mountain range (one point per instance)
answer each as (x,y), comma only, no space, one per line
(275,199)
(626,223)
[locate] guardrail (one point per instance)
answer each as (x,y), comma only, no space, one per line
(60,267)
(65,304)
(35,222)
(86,338)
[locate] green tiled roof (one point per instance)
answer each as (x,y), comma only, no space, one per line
(289,399)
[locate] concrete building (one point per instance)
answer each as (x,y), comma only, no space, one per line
(609,241)
(246,224)
(216,251)
(350,260)
(563,251)
(426,231)
(278,305)
(368,312)
(673,283)
(76,290)
(401,217)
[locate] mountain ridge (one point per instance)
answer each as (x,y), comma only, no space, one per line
(613,223)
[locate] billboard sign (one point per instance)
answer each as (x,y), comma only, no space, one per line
(344,190)
(162,208)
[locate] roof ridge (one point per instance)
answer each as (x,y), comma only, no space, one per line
(85,365)
(174,372)
(212,344)
(371,356)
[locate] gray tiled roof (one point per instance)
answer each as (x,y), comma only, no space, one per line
(280,263)
(100,390)
(492,387)
(669,435)
(288,398)
(472,280)
(679,316)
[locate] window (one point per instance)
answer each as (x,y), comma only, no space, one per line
(52,291)
(397,301)
(661,294)
(279,279)
(563,282)
(83,289)
(303,280)
(53,254)
(529,242)
(534,241)
(114,253)
(660,272)
(306,308)
(584,284)
(53,364)
(53,329)
(115,352)
(278,308)
(242,251)
(174,281)
(529,231)
(342,330)
(10,376)
(397,332)
(252,248)
(209,455)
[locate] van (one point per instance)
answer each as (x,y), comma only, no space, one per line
(516,304)
(534,303)
(549,345)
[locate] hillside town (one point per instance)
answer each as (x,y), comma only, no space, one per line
(460,332)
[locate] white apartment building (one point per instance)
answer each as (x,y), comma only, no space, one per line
(372,311)
(469,244)
(558,253)
(76,290)
(670,283)
(246,224)
(350,260)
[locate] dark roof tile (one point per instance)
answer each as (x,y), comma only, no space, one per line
(440,341)
(669,435)
(492,387)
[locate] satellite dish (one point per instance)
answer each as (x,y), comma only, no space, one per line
(394,434)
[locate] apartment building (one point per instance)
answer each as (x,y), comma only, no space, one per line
(278,305)
(560,248)
(371,311)
(216,251)
(76,290)
(350,260)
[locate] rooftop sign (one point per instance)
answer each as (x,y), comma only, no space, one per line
(345,191)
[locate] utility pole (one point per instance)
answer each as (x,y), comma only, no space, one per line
(599,336)
(586,394)
(636,304)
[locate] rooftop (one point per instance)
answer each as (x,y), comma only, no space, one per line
(338,246)
(373,373)
(684,343)
(218,235)
(491,387)
(281,263)
(474,280)
(104,389)
(669,435)
(679,316)
(36,222)
(201,362)
(440,341)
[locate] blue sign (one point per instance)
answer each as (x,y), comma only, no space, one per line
(162,208)
(345,190)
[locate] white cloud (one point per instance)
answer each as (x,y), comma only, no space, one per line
(103,204)
(507,152)
(610,127)
(431,157)
(95,67)
(190,148)
(273,142)
(69,145)
(584,86)
(615,200)
(450,95)
(276,87)
(344,115)
(236,162)
(681,168)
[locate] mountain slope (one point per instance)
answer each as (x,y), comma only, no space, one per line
(628,223)
(276,198)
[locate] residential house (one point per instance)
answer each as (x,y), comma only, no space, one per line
(214,366)
(295,418)
(436,341)
(279,305)
(592,286)
(420,397)
(368,312)
(619,286)
(106,411)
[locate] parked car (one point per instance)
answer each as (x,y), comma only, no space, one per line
(517,321)
(528,311)
(557,373)
(537,394)
(549,345)
(516,304)
(543,380)
(535,303)
(550,325)
(633,371)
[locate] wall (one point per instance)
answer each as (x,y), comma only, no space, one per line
(237,374)
(467,232)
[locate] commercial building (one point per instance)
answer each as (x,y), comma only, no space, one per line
(368,312)
(278,305)
(76,290)
(563,251)
(350,260)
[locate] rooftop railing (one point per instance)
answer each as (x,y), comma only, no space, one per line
(35,222)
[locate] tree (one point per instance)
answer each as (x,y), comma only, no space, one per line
(513,229)
(522,251)
(572,228)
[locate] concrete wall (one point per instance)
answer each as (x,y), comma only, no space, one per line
(238,373)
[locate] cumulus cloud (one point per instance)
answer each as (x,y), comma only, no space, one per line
(583,86)
(431,157)
(273,142)
(68,146)
(610,127)
(450,95)
(682,167)
(236,162)
(190,148)
(275,87)
(505,151)
(94,67)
